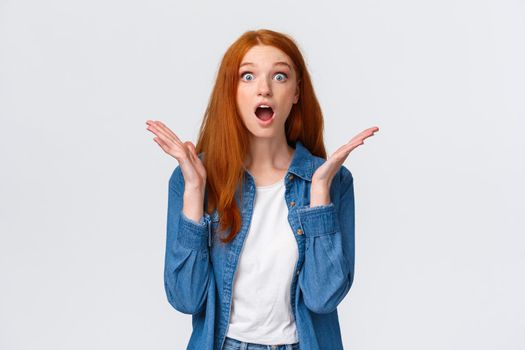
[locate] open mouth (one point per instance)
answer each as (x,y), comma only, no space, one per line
(264,113)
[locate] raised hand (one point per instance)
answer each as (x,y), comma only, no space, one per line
(191,166)
(323,176)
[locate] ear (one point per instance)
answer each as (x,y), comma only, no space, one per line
(296,96)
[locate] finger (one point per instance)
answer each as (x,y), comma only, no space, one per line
(198,164)
(371,131)
(171,147)
(191,148)
(153,130)
(350,146)
(167,130)
(161,143)
(363,134)
(343,151)
(159,130)
(359,138)
(168,139)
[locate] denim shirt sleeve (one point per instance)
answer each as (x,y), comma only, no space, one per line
(328,270)
(187,264)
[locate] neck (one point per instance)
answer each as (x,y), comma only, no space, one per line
(266,154)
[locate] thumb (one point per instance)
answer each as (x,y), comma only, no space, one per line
(191,147)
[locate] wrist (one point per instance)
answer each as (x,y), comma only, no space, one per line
(319,195)
(193,203)
(194,192)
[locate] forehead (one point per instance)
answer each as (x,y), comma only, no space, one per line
(265,55)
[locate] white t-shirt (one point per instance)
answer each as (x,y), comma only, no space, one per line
(261,307)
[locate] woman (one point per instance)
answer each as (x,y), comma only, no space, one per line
(260,227)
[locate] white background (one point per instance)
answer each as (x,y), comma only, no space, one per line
(440,248)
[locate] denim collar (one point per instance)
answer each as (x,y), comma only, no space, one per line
(302,162)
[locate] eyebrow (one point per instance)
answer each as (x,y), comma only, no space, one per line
(281,63)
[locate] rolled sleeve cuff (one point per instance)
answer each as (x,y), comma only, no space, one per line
(192,234)
(319,220)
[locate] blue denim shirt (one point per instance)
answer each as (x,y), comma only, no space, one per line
(199,269)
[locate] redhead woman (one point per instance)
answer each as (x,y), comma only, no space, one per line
(260,222)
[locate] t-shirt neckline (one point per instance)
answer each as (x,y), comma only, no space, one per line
(271,186)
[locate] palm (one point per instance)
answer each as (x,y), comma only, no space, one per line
(326,172)
(191,166)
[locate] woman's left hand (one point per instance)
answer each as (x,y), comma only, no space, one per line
(323,176)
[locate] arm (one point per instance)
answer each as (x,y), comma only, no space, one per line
(187,264)
(328,270)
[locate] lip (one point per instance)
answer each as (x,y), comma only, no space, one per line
(264,103)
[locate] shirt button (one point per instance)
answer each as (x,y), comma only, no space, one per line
(297,273)
(290,177)
(292,203)
(299,231)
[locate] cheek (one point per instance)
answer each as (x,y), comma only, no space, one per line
(287,94)
(242,100)
(286,100)
(243,107)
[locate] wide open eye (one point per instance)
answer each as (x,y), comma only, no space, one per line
(247,74)
(282,75)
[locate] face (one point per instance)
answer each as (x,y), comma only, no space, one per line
(267,77)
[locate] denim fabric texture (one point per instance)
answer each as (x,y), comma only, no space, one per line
(199,270)
(234,344)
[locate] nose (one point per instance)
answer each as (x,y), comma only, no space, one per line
(264,88)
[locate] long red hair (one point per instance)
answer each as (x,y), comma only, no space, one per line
(224,139)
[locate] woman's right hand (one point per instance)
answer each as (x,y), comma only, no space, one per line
(191,166)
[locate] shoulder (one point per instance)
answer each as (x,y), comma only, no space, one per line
(176,181)
(345,174)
